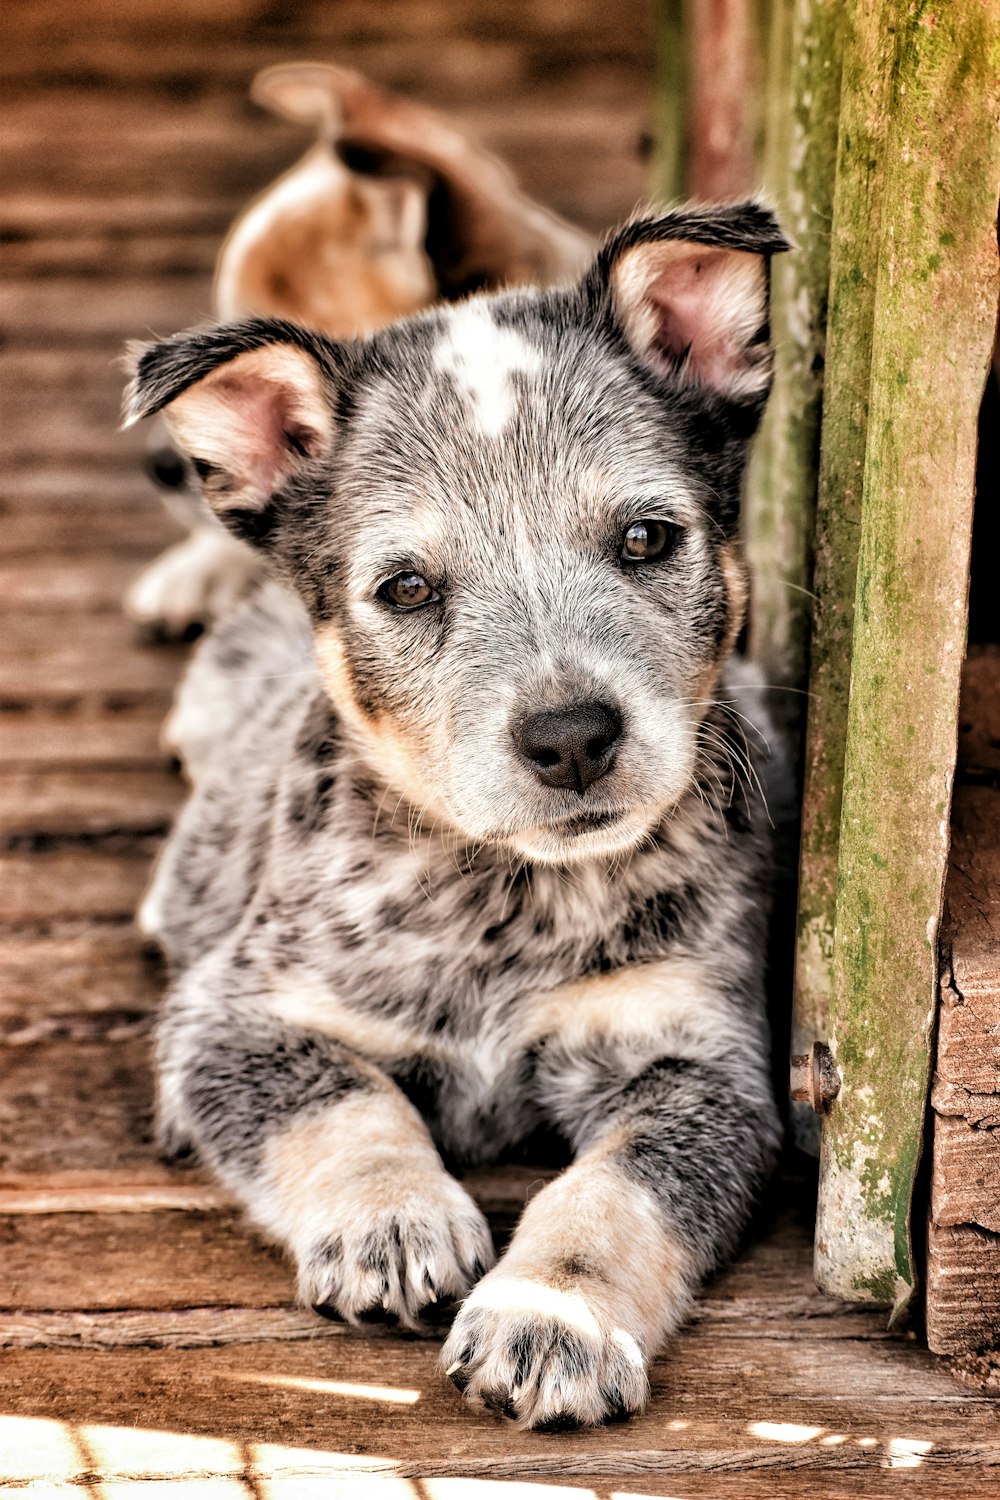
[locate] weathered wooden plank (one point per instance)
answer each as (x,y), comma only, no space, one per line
(29,216)
(62,310)
(854,248)
(670,143)
(123,734)
(502,1190)
(135,527)
(79,801)
(113,486)
(963,1245)
(77,1105)
(156,1187)
(723,92)
(804,46)
(963,1289)
(45,659)
(71,1262)
(78,584)
(378,1398)
(30,257)
(66,404)
(597,147)
(63,977)
(102,881)
(966,1183)
(932,337)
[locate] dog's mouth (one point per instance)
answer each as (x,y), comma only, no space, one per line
(587,822)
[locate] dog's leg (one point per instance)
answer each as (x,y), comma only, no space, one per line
(604,1263)
(199,579)
(193,583)
(329,1157)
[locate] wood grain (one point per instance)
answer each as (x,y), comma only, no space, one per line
(963,1237)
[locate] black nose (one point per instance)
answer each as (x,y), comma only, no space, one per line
(570,746)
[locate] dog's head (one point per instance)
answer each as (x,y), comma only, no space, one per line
(513,521)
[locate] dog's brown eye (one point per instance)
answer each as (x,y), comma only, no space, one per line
(408,591)
(648,541)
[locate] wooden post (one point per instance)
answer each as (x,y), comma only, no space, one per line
(803,89)
(800,147)
(930,259)
(707,93)
(671,145)
(722,99)
(860,50)
(963,1238)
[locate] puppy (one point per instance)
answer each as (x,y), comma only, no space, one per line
(477,856)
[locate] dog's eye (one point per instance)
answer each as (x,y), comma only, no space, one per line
(649,541)
(408,591)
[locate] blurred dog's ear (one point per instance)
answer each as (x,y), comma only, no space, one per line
(250,405)
(690,293)
(330,249)
(482,232)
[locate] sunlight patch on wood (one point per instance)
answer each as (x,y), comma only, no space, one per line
(502,1489)
(784,1432)
(158,1454)
(276,1458)
(907,1453)
(397,1394)
(37,1448)
(633,1495)
(335,1485)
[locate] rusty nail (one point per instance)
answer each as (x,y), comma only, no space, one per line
(815,1078)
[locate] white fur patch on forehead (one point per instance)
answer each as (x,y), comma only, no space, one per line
(480,358)
(251,420)
(697,309)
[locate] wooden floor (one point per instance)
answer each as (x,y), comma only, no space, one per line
(147,1339)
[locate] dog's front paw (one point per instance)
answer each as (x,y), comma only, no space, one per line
(407,1263)
(545,1356)
(193,583)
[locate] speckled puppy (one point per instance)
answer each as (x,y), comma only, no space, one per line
(468,863)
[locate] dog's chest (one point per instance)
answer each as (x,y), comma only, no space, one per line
(416,947)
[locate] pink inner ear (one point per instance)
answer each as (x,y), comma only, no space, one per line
(257,424)
(681,314)
(250,421)
(699,309)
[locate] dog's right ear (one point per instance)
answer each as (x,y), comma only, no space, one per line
(250,404)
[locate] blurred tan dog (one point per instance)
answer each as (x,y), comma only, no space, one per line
(390,211)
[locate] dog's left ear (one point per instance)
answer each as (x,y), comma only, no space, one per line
(690,291)
(250,404)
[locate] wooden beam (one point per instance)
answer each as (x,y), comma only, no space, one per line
(800,145)
(933,267)
(963,1245)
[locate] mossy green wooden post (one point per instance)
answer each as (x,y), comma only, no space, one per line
(804,43)
(921,90)
(800,144)
(857,190)
(886,111)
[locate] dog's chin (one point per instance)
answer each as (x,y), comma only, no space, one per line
(587,836)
